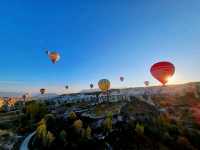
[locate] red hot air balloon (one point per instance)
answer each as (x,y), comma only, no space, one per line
(162,71)
(121,79)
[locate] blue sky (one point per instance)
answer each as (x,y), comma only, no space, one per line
(96,39)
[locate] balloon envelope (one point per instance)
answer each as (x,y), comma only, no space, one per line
(162,71)
(24,96)
(47,52)
(122,79)
(146,83)
(42,91)
(91,86)
(104,84)
(54,57)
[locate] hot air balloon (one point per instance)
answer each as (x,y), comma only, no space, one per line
(24,97)
(121,79)
(42,91)
(66,87)
(47,52)
(91,85)
(54,56)
(104,84)
(162,71)
(146,83)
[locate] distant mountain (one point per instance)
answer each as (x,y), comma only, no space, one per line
(90,90)
(44,96)
(9,94)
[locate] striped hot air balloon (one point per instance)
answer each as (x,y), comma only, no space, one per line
(54,57)
(104,84)
(42,91)
(162,71)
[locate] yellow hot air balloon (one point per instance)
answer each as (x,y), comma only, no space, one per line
(104,84)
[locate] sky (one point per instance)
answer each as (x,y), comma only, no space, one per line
(96,39)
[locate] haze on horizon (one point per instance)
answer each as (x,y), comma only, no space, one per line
(96,39)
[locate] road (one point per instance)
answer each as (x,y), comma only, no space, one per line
(24,145)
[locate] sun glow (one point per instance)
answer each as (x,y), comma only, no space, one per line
(173,79)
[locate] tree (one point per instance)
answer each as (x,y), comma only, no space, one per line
(46,136)
(78,124)
(50,138)
(72,115)
(88,132)
(62,136)
(36,110)
(107,124)
(50,122)
(139,129)
(41,131)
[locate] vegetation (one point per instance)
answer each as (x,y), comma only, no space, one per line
(142,126)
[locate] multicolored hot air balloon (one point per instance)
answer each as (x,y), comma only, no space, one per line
(54,56)
(146,83)
(162,71)
(121,79)
(104,84)
(91,85)
(42,91)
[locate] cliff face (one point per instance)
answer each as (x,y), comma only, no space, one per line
(178,90)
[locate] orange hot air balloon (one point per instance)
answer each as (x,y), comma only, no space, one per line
(121,79)
(91,85)
(146,83)
(104,85)
(54,57)
(162,71)
(42,91)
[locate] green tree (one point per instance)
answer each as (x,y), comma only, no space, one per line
(72,115)
(88,132)
(36,110)
(107,124)
(63,136)
(139,129)
(42,133)
(50,138)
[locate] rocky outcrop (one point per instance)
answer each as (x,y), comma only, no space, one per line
(139,110)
